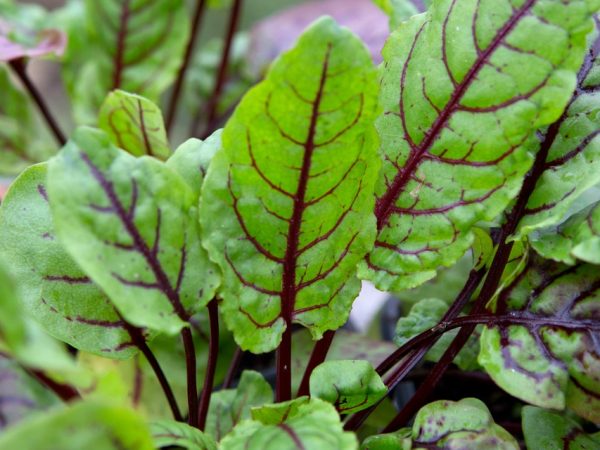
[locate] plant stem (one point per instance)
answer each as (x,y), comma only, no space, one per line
(213,102)
(189,50)
(317,356)
(211,365)
(190,364)
(233,368)
(65,392)
(283,381)
(19,67)
(140,342)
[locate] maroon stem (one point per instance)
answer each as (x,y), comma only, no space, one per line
(189,50)
(318,355)
(65,392)
(233,368)
(190,364)
(213,102)
(19,67)
(283,380)
(211,365)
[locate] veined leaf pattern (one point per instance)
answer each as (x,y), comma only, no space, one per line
(573,147)
(134,124)
(548,353)
(506,67)
(55,291)
(287,203)
(131,224)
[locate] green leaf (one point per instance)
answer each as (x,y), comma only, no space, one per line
(389,441)
(20,394)
(168,433)
(463,424)
(134,124)
(426,314)
(82,425)
(573,162)
(576,238)
(131,224)
(191,159)
(292,189)
(314,424)
(276,413)
(350,386)
(55,291)
(137,45)
(549,355)
(399,10)
(545,430)
(229,407)
(463,88)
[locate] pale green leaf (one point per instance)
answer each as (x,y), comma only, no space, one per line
(389,441)
(134,124)
(131,224)
(166,433)
(400,10)
(292,190)
(350,385)
(464,86)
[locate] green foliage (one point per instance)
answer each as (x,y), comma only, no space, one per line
(170,433)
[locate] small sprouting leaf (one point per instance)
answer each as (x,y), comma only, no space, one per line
(463,424)
(350,386)
(546,430)
(389,441)
(464,87)
(191,159)
(137,45)
(292,188)
(426,314)
(20,394)
(577,238)
(55,291)
(134,124)
(314,424)
(547,352)
(230,406)
(573,146)
(132,225)
(167,433)
(82,425)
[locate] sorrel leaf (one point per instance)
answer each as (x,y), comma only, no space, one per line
(292,188)
(55,291)
(229,407)
(314,424)
(573,146)
(131,224)
(134,124)
(577,238)
(168,433)
(20,394)
(350,386)
(547,352)
(89,424)
(463,88)
(191,159)
(546,430)
(137,46)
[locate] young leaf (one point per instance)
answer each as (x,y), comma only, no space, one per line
(292,190)
(168,433)
(229,407)
(134,124)
(389,441)
(548,356)
(463,88)
(577,238)
(545,430)
(137,45)
(191,159)
(131,224)
(83,425)
(55,291)
(573,163)
(400,10)
(350,386)
(314,424)
(463,424)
